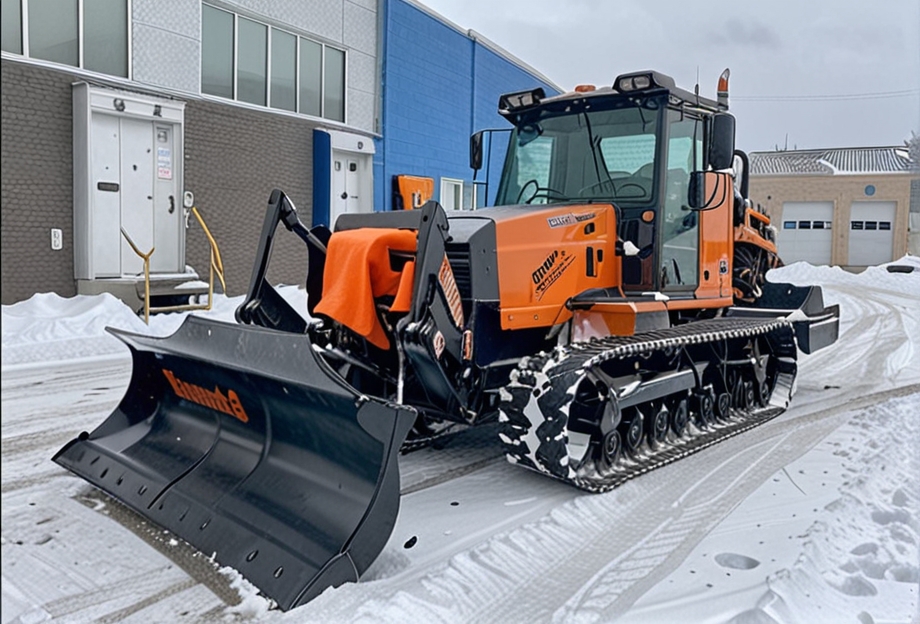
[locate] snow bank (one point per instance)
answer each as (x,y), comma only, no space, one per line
(49,328)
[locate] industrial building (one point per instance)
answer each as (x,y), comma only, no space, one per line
(848,207)
(121,115)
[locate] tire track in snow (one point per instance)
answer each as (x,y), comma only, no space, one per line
(607,598)
(535,563)
(121,590)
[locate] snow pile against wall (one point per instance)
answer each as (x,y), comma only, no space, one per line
(50,328)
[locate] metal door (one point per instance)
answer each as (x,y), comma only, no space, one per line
(871,233)
(167,213)
(105,168)
(806,234)
(137,171)
(345,185)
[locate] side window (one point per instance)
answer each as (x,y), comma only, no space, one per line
(680,226)
(534,167)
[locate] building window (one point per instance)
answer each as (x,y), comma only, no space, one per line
(856,225)
(451,194)
(884,225)
(311,78)
(251,62)
(804,225)
(284,70)
(788,225)
(216,52)
(91,34)
(247,60)
(871,225)
(334,93)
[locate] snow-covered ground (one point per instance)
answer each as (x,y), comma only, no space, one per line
(812,517)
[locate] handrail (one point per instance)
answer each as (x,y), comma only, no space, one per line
(146,258)
(216,267)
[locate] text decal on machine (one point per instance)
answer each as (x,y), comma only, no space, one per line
(551,270)
(228,404)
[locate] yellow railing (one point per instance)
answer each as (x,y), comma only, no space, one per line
(217,267)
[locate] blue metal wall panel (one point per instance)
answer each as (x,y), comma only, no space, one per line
(439,86)
(322,176)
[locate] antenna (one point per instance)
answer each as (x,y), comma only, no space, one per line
(696,89)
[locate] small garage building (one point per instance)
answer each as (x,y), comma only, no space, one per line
(848,207)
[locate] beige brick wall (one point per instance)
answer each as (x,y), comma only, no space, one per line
(772,191)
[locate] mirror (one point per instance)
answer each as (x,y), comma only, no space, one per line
(476,151)
(696,191)
(722,143)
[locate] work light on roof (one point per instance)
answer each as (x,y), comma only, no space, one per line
(639,81)
(520,100)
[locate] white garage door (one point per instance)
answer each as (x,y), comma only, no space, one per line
(871,233)
(805,233)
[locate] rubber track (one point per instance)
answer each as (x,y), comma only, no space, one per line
(536,373)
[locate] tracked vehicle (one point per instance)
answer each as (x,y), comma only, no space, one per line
(610,314)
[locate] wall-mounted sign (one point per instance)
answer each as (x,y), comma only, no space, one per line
(164,163)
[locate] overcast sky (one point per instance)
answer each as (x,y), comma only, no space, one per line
(804,73)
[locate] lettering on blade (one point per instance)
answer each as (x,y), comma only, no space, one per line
(216,400)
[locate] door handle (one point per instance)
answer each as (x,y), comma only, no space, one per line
(172,204)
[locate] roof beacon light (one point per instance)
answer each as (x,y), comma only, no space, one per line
(723,89)
(585,88)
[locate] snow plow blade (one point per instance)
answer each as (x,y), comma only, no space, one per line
(243,442)
(815,325)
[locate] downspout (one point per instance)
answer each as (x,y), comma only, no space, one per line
(380,120)
(472,35)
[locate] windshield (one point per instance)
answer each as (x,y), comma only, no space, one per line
(577,152)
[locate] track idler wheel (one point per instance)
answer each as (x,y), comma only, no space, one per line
(658,425)
(610,449)
(703,408)
(764,392)
(680,415)
(723,405)
(742,393)
(746,395)
(632,430)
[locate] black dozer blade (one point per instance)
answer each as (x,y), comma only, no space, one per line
(243,442)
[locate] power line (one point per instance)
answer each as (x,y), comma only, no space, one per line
(826,98)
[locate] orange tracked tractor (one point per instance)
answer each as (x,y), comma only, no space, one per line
(608,315)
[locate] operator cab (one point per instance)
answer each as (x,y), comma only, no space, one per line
(641,145)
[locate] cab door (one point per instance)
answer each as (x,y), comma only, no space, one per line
(679,225)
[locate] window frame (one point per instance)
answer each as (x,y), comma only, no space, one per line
(24,24)
(454,186)
(298,38)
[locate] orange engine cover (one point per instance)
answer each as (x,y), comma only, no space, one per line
(547,255)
